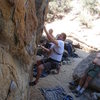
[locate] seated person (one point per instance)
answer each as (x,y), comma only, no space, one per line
(55,54)
(94,70)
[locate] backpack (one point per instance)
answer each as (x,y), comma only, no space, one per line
(69,48)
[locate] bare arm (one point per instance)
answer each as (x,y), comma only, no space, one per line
(50,37)
(47,50)
(97,59)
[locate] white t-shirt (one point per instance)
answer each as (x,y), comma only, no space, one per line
(57,51)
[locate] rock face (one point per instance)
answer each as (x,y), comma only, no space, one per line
(21,26)
(82,68)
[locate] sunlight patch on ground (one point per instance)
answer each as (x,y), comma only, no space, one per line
(76,24)
(73,27)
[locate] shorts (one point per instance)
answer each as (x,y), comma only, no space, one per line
(50,64)
(93,71)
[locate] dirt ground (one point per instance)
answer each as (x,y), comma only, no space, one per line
(62,79)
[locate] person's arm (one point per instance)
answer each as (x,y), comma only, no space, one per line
(47,50)
(50,37)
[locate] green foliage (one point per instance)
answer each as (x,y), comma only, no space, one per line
(87,9)
(85,20)
(59,6)
(90,8)
(56,7)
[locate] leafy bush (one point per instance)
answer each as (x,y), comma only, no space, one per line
(85,20)
(89,9)
(92,5)
(58,8)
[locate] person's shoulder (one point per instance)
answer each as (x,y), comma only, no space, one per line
(51,43)
(60,41)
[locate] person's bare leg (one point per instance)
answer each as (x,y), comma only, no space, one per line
(82,80)
(82,89)
(57,71)
(89,78)
(39,71)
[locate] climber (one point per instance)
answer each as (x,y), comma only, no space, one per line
(55,54)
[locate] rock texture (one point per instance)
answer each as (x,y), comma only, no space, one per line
(21,26)
(82,68)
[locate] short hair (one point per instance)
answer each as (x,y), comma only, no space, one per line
(64,36)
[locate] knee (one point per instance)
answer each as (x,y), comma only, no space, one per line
(38,62)
(89,78)
(40,67)
(84,77)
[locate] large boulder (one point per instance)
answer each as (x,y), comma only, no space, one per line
(21,26)
(82,68)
